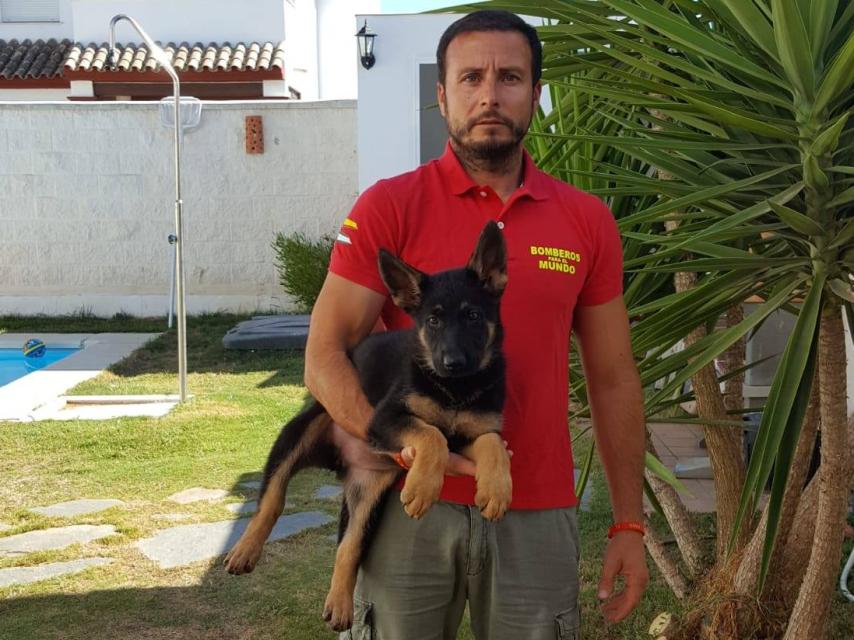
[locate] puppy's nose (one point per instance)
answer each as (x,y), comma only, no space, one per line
(453,361)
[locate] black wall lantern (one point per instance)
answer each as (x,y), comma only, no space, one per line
(366,46)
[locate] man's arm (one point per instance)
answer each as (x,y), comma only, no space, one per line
(345,312)
(616,404)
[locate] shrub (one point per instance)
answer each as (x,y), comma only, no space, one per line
(302,264)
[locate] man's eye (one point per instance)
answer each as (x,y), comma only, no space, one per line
(433,321)
(470,77)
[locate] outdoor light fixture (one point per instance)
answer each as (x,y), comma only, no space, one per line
(366,46)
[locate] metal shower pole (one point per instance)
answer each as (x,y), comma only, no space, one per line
(161,58)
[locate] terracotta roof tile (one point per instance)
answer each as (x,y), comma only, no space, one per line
(49,59)
(28,59)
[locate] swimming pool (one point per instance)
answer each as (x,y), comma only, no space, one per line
(14,365)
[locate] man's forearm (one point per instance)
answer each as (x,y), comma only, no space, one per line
(333,381)
(618,424)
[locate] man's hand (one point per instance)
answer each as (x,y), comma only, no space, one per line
(358,454)
(625,555)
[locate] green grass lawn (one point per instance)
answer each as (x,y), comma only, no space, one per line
(217,440)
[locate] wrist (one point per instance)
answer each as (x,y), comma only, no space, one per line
(627,526)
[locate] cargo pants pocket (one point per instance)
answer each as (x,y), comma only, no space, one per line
(363,623)
(568,625)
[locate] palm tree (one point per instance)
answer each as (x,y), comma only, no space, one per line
(719,133)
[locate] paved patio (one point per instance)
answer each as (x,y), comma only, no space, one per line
(679,443)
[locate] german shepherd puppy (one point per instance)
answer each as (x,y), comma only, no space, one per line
(437,386)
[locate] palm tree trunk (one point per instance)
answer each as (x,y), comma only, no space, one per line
(668,567)
(747,577)
(686,534)
(811,609)
(722,443)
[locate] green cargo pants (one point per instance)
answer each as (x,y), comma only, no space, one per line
(519,576)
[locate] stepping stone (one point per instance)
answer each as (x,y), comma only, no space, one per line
(190,543)
(250,507)
(584,503)
(243,507)
(27,575)
(328,492)
(173,517)
(251,484)
(197,494)
(5,527)
(49,539)
(76,508)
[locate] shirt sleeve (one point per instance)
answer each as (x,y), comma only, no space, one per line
(604,280)
(371,225)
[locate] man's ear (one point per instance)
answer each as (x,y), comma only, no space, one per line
(403,282)
(440,98)
(489,260)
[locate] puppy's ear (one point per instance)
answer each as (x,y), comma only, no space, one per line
(403,282)
(489,260)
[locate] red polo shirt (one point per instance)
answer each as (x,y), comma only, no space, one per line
(563,250)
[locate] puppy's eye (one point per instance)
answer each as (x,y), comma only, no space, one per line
(433,321)
(474,315)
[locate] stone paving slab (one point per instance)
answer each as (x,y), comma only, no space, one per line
(76,508)
(243,507)
(173,517)
(27,575)
(190,543)
(5,527)
(197,494)
(251,484)
(57,538)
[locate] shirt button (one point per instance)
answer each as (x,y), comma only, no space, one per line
(483,194)
(500,225)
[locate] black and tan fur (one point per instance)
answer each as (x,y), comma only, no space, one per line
(438,387)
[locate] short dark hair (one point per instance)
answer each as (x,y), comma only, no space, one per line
(492,20)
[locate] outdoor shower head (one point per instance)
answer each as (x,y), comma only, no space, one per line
(157,52)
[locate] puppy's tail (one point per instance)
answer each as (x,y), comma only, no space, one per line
(301,443)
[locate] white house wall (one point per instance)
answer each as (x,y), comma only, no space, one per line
(337,50)
(179,20)
(88,202)
(41,30)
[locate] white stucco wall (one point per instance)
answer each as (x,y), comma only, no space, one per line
(337,52)
(88,202)
(43,30)
(191,20)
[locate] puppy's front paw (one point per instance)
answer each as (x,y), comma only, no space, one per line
(420,491)
(338,611)
(494,492)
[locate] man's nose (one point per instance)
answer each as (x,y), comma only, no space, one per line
(489,93)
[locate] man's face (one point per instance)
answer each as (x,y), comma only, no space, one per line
(488,98)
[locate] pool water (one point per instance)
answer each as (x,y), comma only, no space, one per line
(14,365)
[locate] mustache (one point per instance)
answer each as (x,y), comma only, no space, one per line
(489,115)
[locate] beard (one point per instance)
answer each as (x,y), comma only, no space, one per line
(491,154)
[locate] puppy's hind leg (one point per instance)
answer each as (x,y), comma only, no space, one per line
(363,491)
(297,446)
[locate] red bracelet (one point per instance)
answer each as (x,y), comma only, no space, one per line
(626,526)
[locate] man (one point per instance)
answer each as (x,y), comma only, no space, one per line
(519,576)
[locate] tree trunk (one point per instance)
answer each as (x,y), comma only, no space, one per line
(722,443)
(810,613)
(747,577)
(666,565)
(686,534)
